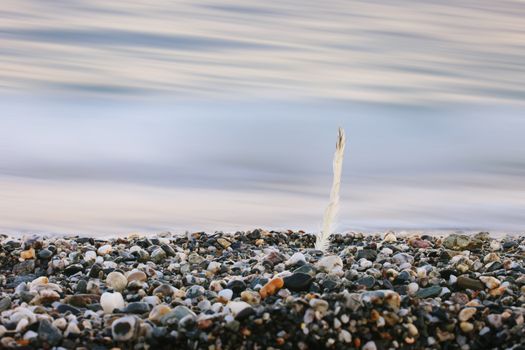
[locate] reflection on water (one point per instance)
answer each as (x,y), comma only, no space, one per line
(401,51)
(103,128)
(69,166)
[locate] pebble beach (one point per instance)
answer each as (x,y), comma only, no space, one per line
(263,290)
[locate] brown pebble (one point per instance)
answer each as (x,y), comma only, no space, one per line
(271,287)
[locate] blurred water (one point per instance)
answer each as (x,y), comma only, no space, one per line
(222,115)
(113,168)
(400,51)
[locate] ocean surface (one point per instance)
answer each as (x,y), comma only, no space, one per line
(147,116)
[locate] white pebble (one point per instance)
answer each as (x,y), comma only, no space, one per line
(111,301)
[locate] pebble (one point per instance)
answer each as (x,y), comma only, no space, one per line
(271,287)
(262,289)
(116,281)
(490,282)
(111,301)
(298,281)
(466,313)
(124,328)
(104,250)
(330,264)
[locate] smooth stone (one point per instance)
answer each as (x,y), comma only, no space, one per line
(24,268)
(5,303)
(298,281)
(158,312)
(116,281)
(225,294)
(124,328)
(295,259)
(195,292)
(63,308)
(237,306)
(48,333)
(330,264)
(214,266)
(237,286)
(490,282)
(466,314)
(111,301)
(367,281)
(73,269)
(224,242)
(137,275)
(306,268)
(495,320)
(45,254)
(251,297)
(368,254)
(456,242)
(137,307)
(469,283)
(104,250)
(195,258)
(429,292)
(158,255)
(182,311)
(402,258)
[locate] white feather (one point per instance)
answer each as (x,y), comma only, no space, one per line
(332,209)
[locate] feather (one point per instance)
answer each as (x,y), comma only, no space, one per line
(332,209)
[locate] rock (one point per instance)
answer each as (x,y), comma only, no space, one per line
(105,249)
(237,286)
(495,320)
(158,255)
(225,295)
(124,328)
(158,312)
(195,259)
(296,258)
(73,269)
(137,307)
(368,254)
(194,292)
(456,242)
(402,258)
(252,298)
(371,345)
(45,254)
(111,301)
(272,287)
(466,314)
(429,292)
(214,266)
(469,283)
(28,254)
(5,303)
(367,281)
(298,281)
(330,264)
(116,281)
(224,243)
(90,256)
(24,267)
(490,282)
(137,275)
(182,311)
(48,333)
(466,327)
(237,307)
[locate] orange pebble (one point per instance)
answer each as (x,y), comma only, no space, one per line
(271,287)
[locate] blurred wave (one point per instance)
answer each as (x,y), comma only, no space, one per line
(402,51)
(75,167)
